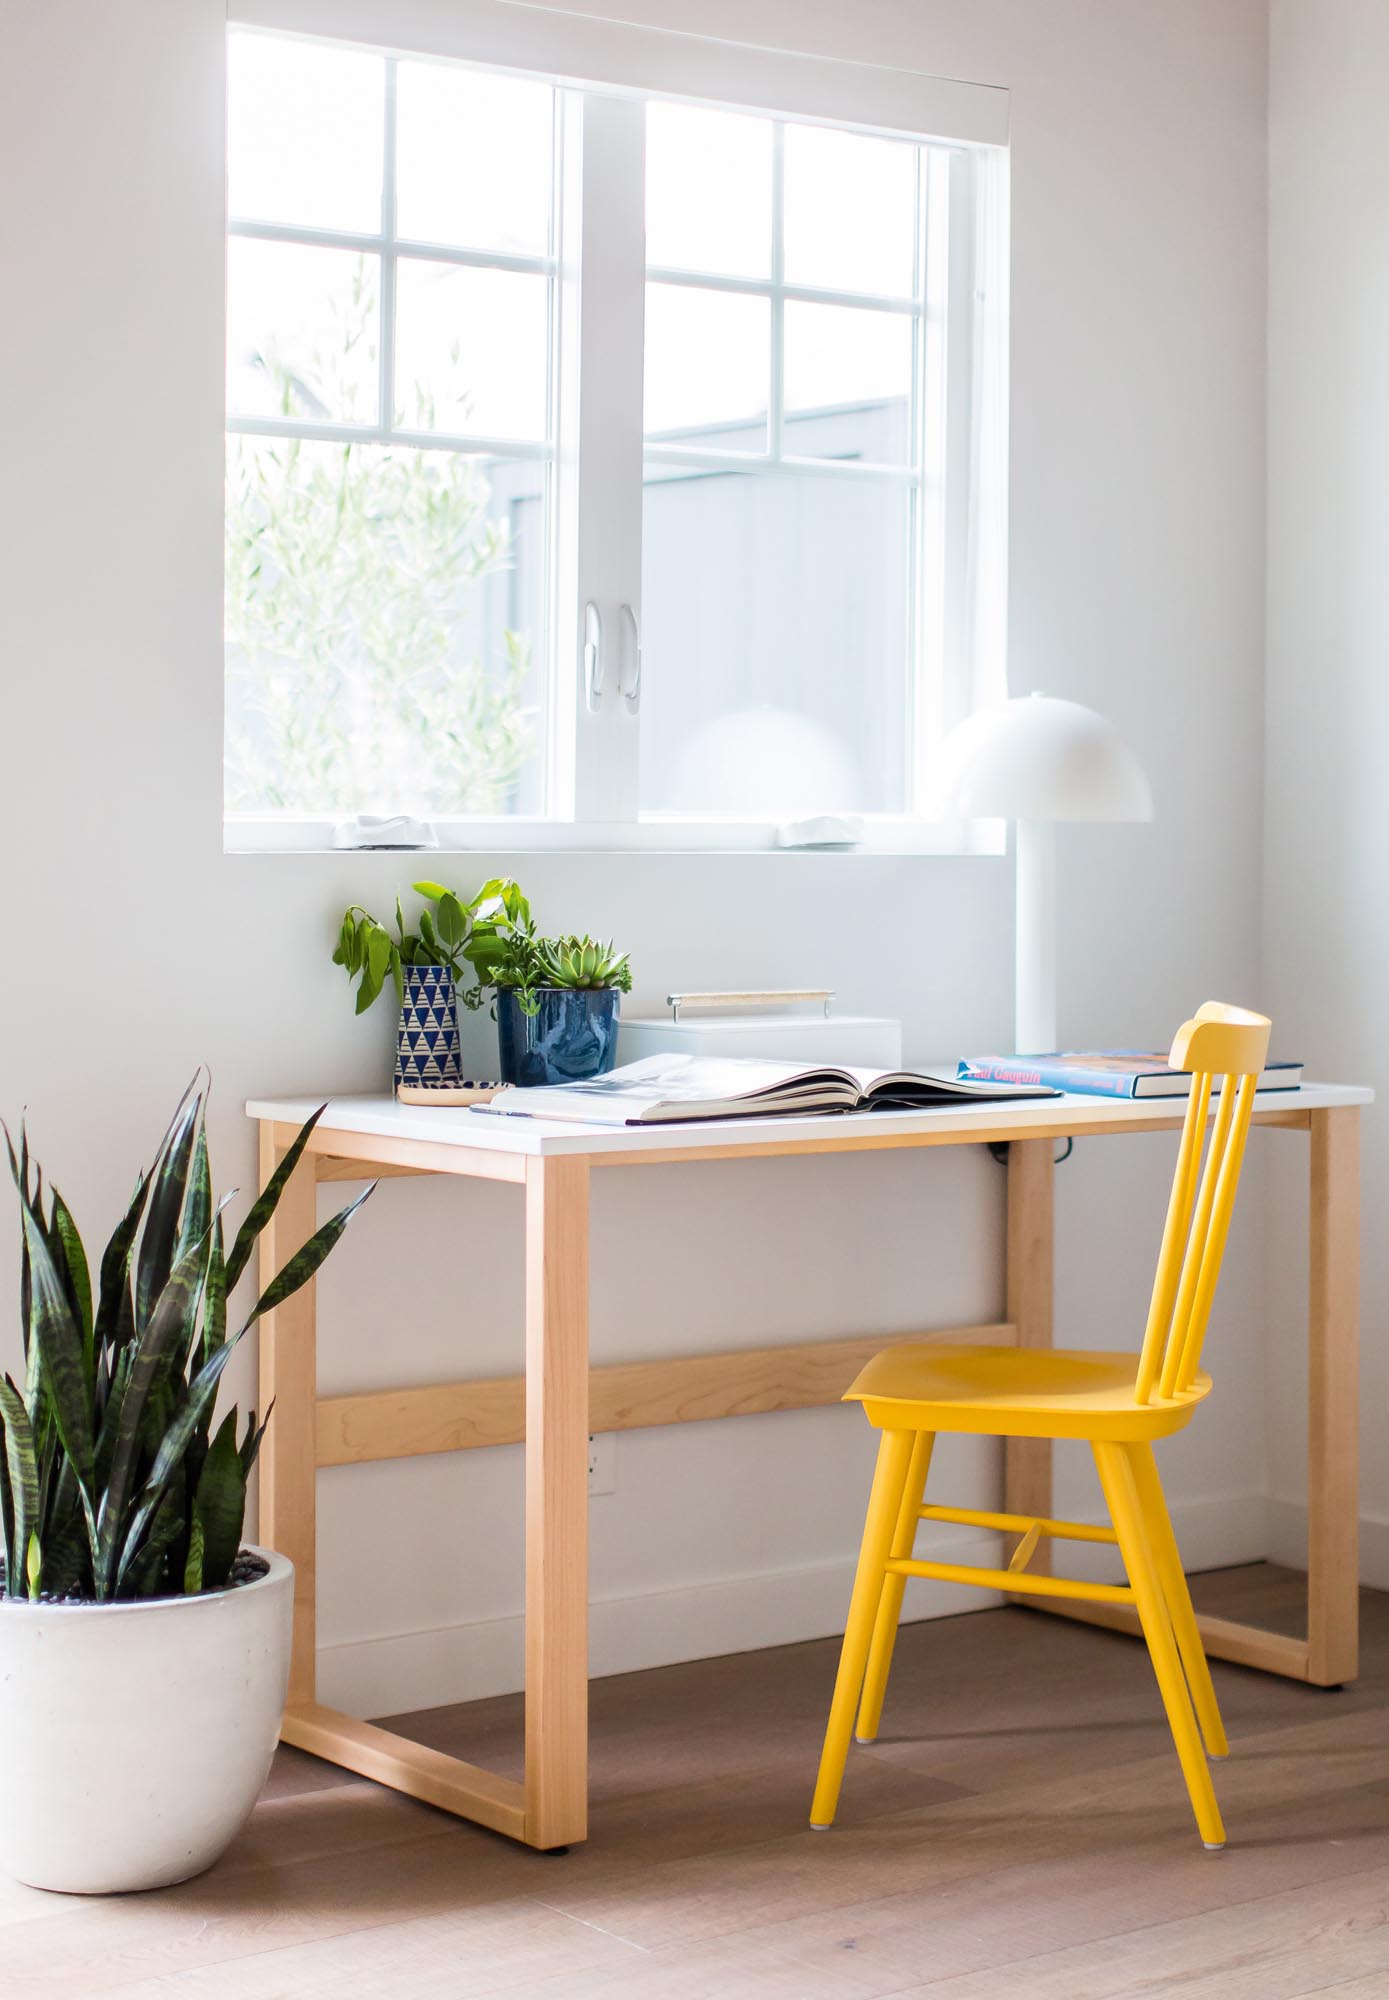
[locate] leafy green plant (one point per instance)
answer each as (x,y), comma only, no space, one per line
(114,1484)
(494,934)
(510,955)
(372,956)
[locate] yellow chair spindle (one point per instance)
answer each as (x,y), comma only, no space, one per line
(1174,1236)
(1227,1185)
(1196,1243)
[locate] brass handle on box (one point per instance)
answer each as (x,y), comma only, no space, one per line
(771,997)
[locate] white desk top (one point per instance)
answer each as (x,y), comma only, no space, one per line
(1069,1115)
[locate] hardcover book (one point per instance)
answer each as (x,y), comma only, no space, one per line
(1110,1073)
(669,1089)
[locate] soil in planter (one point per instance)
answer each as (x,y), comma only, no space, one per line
(248,1568)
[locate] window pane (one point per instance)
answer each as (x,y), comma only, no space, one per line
(301,332)
(475,159)
(848,383)
(471,350)
(774,644)
(708,191)
(304,126)
(850,212)
(384,629)
(706,367)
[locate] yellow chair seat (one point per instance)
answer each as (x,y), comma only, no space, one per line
(1016,1392)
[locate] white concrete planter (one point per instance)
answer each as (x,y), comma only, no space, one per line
(134,1738)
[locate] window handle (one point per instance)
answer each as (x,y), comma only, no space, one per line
(593,658)
(630,679)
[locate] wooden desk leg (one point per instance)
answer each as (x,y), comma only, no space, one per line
(1030,1259)
(289,1379)
(1333,1501)
(556,1501)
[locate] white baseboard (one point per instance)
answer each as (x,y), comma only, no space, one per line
(464,1662)
(1287,1541)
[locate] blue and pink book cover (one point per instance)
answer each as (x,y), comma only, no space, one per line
(1107,1072)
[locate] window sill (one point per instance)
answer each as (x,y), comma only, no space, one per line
(247,833)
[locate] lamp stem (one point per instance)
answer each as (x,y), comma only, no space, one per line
(1035,1024)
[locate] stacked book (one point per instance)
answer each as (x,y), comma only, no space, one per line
(1109,1073)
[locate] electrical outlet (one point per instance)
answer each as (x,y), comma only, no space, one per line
(602,1463)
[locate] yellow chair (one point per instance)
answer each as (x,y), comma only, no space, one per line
(1118,1403)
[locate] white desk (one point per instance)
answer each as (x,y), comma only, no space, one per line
(558,1401)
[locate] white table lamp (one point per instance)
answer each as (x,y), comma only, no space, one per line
(1038,760)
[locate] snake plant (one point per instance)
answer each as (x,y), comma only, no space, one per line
(114,1483)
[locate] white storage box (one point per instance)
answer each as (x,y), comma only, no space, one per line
(794,1026)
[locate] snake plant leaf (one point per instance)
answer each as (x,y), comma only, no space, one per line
(267,1202)
(173,1310)
(7,1541)
(305,1262)
(67,1552)
(219,1504)
(109,1428)
(19,1168)
(197,1206)
(144,1575)
(115,1312)
(251,1443)
(168,1459)
(193,1568)
(75,1264)
(157,1251)
(33,1565)
(215,1292)
(56,1337)
(23,1478)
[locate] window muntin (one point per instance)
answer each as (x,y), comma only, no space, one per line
(391,437)
(830,355)
(779,583)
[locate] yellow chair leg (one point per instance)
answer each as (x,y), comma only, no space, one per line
(894,1458)
(1172,1577)
(870,1708)
(1121,1497)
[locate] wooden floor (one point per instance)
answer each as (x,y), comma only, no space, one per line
(1021,1830)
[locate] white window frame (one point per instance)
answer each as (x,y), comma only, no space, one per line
(603,71)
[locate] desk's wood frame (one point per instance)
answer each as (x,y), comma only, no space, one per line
(557,1402)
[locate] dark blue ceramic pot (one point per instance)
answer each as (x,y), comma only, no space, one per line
(572,1035)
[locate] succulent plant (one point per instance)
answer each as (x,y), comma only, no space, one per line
(113,1484)
(580,961)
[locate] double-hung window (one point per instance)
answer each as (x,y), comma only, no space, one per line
(615,443)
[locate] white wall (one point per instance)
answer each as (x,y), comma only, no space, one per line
(136,949)
(1327,904)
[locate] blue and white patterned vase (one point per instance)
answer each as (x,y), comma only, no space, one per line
(426,1042)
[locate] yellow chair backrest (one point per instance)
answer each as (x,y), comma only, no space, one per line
(1229,1043)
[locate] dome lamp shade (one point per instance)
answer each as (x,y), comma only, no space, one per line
(1040,758)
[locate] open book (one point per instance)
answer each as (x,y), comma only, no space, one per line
(666,1088)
